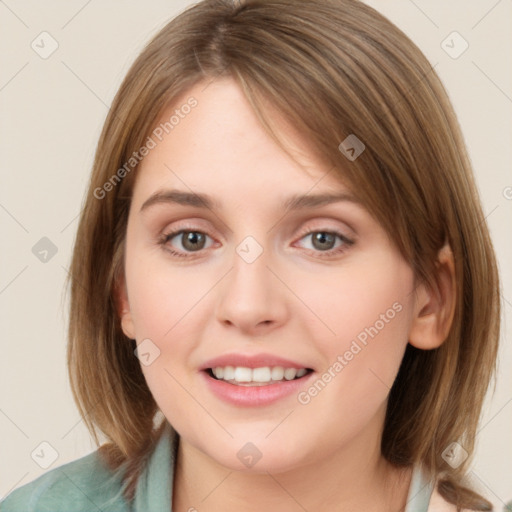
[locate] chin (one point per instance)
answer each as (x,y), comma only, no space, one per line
(255,457)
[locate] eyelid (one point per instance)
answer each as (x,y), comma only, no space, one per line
(325,225)
(333,253)
(172,232)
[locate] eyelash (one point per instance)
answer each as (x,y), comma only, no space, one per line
(166,237)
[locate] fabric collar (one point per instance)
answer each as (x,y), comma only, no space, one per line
(420,491)
(155,484)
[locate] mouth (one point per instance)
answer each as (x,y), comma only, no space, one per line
(256,377)
(254,380)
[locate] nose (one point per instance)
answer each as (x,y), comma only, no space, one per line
(252,299)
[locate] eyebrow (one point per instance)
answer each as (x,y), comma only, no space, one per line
(199,200)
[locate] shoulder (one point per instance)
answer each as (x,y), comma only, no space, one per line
(82,485)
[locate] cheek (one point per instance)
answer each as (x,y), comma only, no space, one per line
(162,302)
(170,307)
(356,300)
(162,296)
(369,316)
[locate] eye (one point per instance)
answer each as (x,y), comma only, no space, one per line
(184,242)
(325,241)
(187,241)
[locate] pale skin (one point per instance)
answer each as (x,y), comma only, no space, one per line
(296,300)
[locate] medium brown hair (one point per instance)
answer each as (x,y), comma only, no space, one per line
(330,68)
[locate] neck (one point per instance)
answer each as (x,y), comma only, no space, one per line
(356,477)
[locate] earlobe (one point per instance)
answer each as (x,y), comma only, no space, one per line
(435,307)
(123,309)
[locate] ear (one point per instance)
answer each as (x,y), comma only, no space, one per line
(123,308)
(435,308)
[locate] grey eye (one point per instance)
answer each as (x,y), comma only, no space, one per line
(193,240)
(322,240)
(190,241)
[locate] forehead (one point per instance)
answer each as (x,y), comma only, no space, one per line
(219,146)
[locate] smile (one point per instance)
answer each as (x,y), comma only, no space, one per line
(263,376)
(254,380)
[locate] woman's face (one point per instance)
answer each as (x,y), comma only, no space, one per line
(242,263)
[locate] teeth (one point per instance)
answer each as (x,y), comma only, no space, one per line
(277,373)
(229,373)
(243,374)
(264,375)
(290,373)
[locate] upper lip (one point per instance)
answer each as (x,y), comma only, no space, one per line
(251,361)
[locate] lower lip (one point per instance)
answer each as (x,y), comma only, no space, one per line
(254,396)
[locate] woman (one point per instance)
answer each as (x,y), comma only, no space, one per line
(280,297)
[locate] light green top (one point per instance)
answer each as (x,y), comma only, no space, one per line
(86,485)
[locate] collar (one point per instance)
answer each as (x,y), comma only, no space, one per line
(420,490)
(154,486)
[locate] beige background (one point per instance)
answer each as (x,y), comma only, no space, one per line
(52,111)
